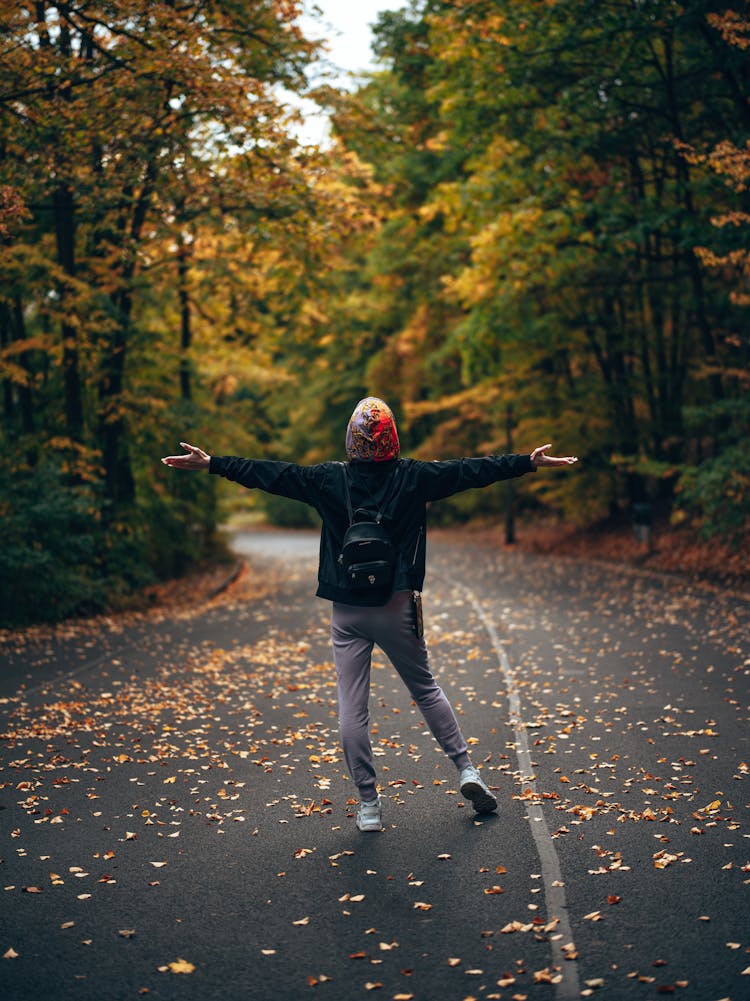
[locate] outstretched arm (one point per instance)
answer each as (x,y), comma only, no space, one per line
(540,458)
(195,458)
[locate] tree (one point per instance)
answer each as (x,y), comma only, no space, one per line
(121,127)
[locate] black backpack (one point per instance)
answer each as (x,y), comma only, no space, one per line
(367,554)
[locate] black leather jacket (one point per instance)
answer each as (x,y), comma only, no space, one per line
(415,484)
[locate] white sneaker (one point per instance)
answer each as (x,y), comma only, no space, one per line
(475,790)
(369,816)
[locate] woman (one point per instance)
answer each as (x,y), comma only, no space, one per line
(376,484)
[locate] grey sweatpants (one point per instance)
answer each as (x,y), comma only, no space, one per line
(354,632)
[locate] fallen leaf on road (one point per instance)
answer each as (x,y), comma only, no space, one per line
(10,954)
(302,921)
(420,906)
(547,976)
(126,932)
(180,966)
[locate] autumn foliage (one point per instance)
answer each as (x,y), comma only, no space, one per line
(531,224)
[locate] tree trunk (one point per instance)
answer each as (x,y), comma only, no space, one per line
(5,338)
(24,391)
(510,513)
(185,328)
(64,212)
(118,474)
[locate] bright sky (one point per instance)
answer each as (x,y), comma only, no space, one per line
(345,24)
(346,27)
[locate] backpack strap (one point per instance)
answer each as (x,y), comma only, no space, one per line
(386,500)
(347,494)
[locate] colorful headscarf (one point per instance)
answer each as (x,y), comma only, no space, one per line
(371,435)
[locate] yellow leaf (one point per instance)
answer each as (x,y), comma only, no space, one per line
(181,966)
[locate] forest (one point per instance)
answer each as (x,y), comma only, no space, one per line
(530,224)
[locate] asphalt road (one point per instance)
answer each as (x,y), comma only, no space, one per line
(176,820)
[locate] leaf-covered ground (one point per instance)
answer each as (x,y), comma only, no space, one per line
(669,549)
(177,820)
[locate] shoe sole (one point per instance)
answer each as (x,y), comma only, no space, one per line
(481,800)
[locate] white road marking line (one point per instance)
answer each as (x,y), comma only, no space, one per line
(554,894)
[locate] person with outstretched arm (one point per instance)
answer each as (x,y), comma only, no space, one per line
(377,600)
